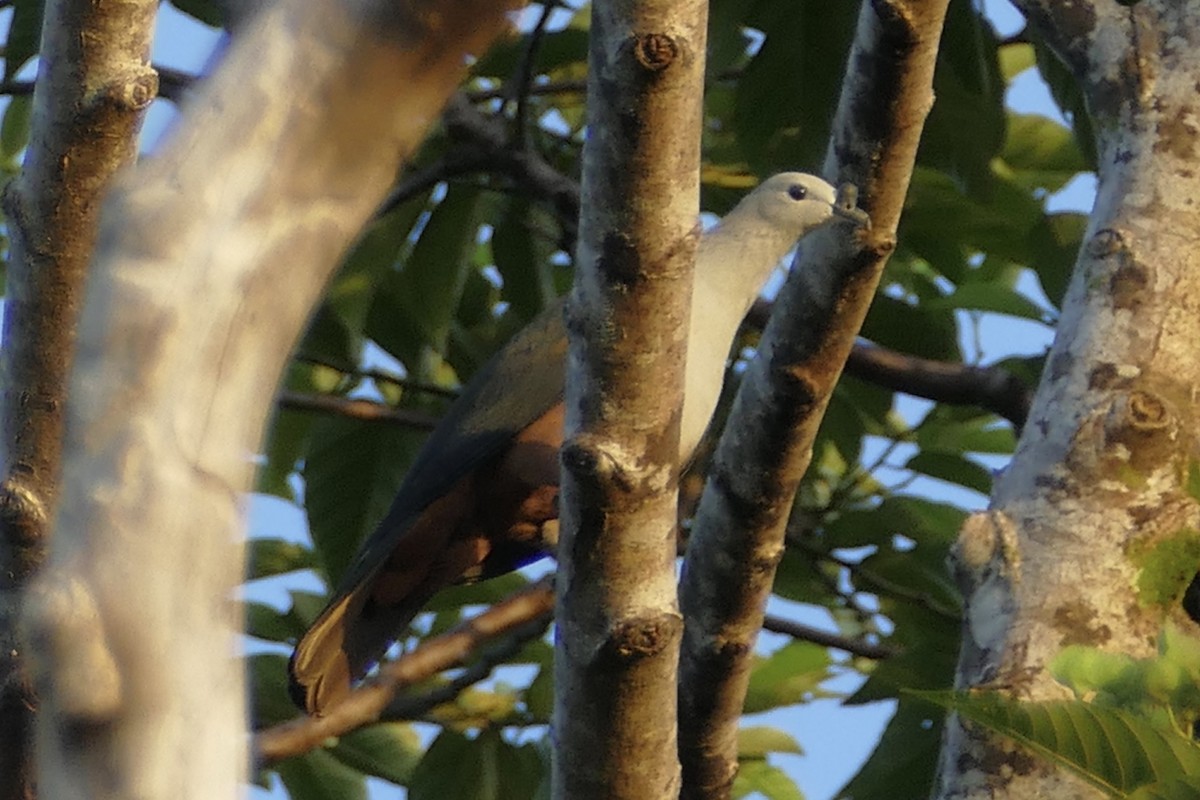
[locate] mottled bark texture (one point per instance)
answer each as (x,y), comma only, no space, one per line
(617,645)
(1098,479)
(738,537)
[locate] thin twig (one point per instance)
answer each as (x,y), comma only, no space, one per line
(411,707)
(523,615)
(378,376)
(854,646)
(353,408)
(523,76)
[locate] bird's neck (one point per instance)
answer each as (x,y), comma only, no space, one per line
(731,266)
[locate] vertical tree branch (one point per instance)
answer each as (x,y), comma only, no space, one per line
(618,620)
(230,232)
(738,537)
(94,82)
(1098,482)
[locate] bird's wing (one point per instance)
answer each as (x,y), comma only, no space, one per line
(514,388)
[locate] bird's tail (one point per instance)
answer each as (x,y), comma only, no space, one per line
(346,640)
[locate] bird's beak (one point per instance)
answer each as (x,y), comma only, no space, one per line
(846,206)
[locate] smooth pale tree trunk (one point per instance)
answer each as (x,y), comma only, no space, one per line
(617,643)
(210,257)
(1099,473)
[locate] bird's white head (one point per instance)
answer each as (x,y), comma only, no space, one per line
(795,203)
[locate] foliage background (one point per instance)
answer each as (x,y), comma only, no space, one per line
(438,282)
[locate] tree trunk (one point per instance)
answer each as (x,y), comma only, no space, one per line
(618,619)
(1100,472)
(228,234)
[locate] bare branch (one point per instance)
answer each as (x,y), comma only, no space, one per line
(618,622)
(522,617)
(992,388)
(738,536)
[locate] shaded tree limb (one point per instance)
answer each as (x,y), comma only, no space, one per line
(93,88)
(991,388)
(519,618)
(323,100)
(377,375)
(738,537)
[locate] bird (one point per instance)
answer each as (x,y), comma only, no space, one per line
(480,498)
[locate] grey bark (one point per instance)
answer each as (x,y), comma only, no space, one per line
(618,621)
(738,537)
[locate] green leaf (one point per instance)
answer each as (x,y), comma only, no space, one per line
(1054,243)
(266,622)
(318,775)
(990,297)
(801,59)
(270,557)
(1111,749)
(24,36)
(1069,96)
(485,768)
(270,704)
(522,245)
(902,764)
(14,132)
(373,256)
(286,442)
(351,475)
(557,49)
(909,328)
(1015,59)
(953,469)
(431,281)
(952,431)
(388,750)
(757,742)
(1041,152)
(306,606)
(759,777)
(1168,566)
(965,127)
(914,517)
(539,696)
(791,675)
(1175,789)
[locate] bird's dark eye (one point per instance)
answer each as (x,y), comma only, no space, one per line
(797,192)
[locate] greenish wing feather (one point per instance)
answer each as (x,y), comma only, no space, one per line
(515,387)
